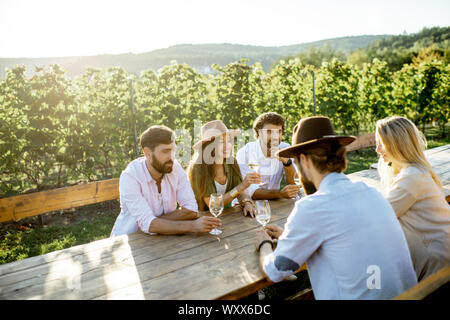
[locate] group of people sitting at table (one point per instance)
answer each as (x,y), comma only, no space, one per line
(357,242)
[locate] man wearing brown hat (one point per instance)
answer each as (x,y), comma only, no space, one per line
(345,231)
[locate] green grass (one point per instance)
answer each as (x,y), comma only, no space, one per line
(434,138)
(22,240)
(361,160)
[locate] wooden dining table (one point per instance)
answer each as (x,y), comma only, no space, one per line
(158,267)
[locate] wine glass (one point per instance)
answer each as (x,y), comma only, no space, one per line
(216,207)
(256,167)
(263,212)
(298,182)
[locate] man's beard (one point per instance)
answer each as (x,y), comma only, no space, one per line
(308,185)
(165,167)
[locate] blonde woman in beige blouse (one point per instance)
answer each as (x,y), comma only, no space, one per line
(415,193)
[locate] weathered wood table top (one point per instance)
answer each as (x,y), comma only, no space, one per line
(139,266)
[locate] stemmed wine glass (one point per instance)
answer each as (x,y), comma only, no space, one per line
(256,167)
(263,212)
(216,207)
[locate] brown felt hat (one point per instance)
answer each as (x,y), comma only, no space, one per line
(312,132)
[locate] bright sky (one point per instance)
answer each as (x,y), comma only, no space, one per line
(49,28)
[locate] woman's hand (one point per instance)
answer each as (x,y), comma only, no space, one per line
(250,178)
(249,209)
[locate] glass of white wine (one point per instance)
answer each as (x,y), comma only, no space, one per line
(216,207)
(263,212)
(298,182)
(256,167)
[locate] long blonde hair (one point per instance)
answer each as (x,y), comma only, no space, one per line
(405,145)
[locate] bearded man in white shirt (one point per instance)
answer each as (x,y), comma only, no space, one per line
(151,188)
(345,231)
(268,128)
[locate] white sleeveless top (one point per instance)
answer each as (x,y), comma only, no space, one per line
(221,188)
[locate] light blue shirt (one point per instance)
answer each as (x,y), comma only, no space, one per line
(351,240)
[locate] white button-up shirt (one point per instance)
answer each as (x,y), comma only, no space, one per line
(271,169)
(139,199)
(351,240)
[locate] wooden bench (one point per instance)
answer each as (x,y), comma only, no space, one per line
(435,286)
(33,204)
(363,141)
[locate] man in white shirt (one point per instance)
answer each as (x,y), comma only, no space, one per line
(345,231)
(268,128)
(152,186)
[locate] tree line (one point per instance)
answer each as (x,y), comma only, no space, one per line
(396,51)
(57,131)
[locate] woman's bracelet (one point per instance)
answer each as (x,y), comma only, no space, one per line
(234,192)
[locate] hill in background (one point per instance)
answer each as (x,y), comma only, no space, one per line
(396,50)
(200,56)
(401,49)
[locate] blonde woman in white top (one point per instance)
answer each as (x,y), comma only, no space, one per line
(415,193)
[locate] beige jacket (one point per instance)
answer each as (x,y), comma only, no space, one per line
(424,215)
